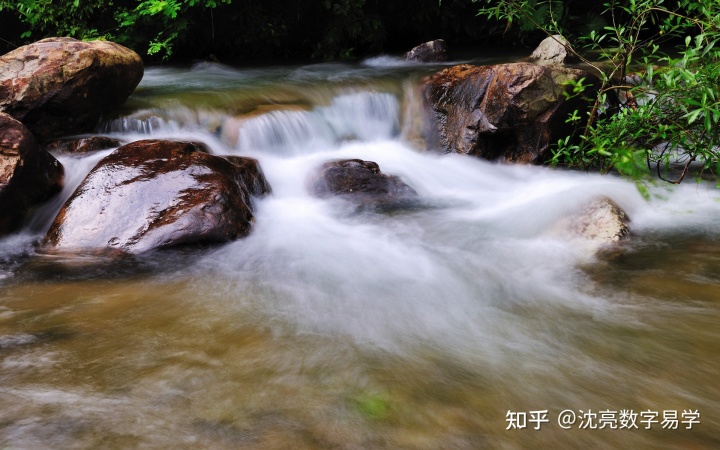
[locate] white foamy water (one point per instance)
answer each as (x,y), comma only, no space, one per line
(449,272)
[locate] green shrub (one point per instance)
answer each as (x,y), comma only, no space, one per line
(655,112)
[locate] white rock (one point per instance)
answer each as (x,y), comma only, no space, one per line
(552,50)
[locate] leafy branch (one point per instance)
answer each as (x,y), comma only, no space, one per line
(652,111)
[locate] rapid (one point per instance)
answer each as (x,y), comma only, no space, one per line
(332,326)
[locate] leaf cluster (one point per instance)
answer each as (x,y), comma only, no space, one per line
(658,108)
(255,29)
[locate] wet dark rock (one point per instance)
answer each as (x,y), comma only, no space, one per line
(552,50)
(83,145)
(28,175)
(250,173)
(358,181)
(432,51)
(60,86)
(155,194)
(507,112)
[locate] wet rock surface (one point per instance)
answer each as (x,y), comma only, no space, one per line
(251,175)
(359,181)
(60,86)
(83,145)
(28,175)
(508,112)
(155,194)
(432,51)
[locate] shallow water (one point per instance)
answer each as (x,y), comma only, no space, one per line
(333,327)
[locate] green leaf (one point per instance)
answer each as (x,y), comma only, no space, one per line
(692,116)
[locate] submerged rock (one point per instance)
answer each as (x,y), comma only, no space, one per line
(432,51)
(83,145)
(60,86)
(552,50)
(507,112)
(359,181)
(154,194)
(28,175)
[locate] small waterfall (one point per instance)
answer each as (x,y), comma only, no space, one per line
(366,116)
(284,130)
(283,133)
(363,116)
(145,124)
(76,168)
(164,120)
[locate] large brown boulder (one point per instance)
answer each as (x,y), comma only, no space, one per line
(509,112)
(154,194)
(60,86)
(359,181)
(28,175)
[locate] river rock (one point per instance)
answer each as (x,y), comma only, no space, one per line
(432,51)
(602,221)
(358,181)
(251,175)
(83,145)
(508,112)
(28,175)
(60,86)
(552,50)
(154,194)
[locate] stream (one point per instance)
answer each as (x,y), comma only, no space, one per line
(430,327)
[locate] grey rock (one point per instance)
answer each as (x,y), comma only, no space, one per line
(552,50)
(602,221)
(432,51)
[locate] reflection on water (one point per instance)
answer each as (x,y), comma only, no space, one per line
(332,327)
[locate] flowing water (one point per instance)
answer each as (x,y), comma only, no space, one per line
(332,327)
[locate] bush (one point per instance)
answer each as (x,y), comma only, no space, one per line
(257,29)
(655,112)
